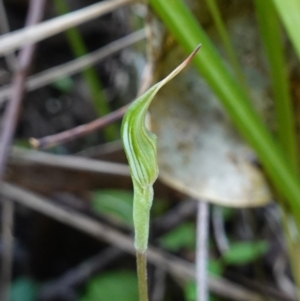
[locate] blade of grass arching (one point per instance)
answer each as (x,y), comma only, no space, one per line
(272,40)
(221,27)
(89,74)
(188,32)
(289,11)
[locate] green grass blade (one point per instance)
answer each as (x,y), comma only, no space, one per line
(89,74)
(289,11)
(272,40)
(221,28)
(188,33)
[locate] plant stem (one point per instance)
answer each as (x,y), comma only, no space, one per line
(141,261)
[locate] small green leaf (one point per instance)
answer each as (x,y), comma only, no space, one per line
(119,286)
(190,292)
(23,289)
(181,237)
(115,203)
(215,267)
(245,252)
(63,84)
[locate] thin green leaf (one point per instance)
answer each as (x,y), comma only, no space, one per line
(272,40)
(220,25)
(115,203)
(289,11)
(63,84)
(182,236)
(23,289)
(118,285)
(245,252)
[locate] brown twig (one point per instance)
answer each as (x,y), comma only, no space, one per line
(79,274)
(78,131)
(92,126)
(21,156)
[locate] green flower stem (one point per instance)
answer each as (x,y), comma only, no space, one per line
(142,203)
(185,28)
(141,261)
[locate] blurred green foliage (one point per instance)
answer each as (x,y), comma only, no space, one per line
(117,204)
(245,252)
(118,286)
(182,237)
(23,289)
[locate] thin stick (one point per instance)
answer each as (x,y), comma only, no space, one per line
(219,229)
(78,275)
(44,78)
(22,156)
(201,252)
(78,131)
(158,293)
(141,261)
(92,126)
(7,248)
(26,36)
(94,228)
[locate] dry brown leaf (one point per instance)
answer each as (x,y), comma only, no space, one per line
(199,151)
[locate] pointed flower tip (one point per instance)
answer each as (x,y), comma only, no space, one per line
(191,56)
